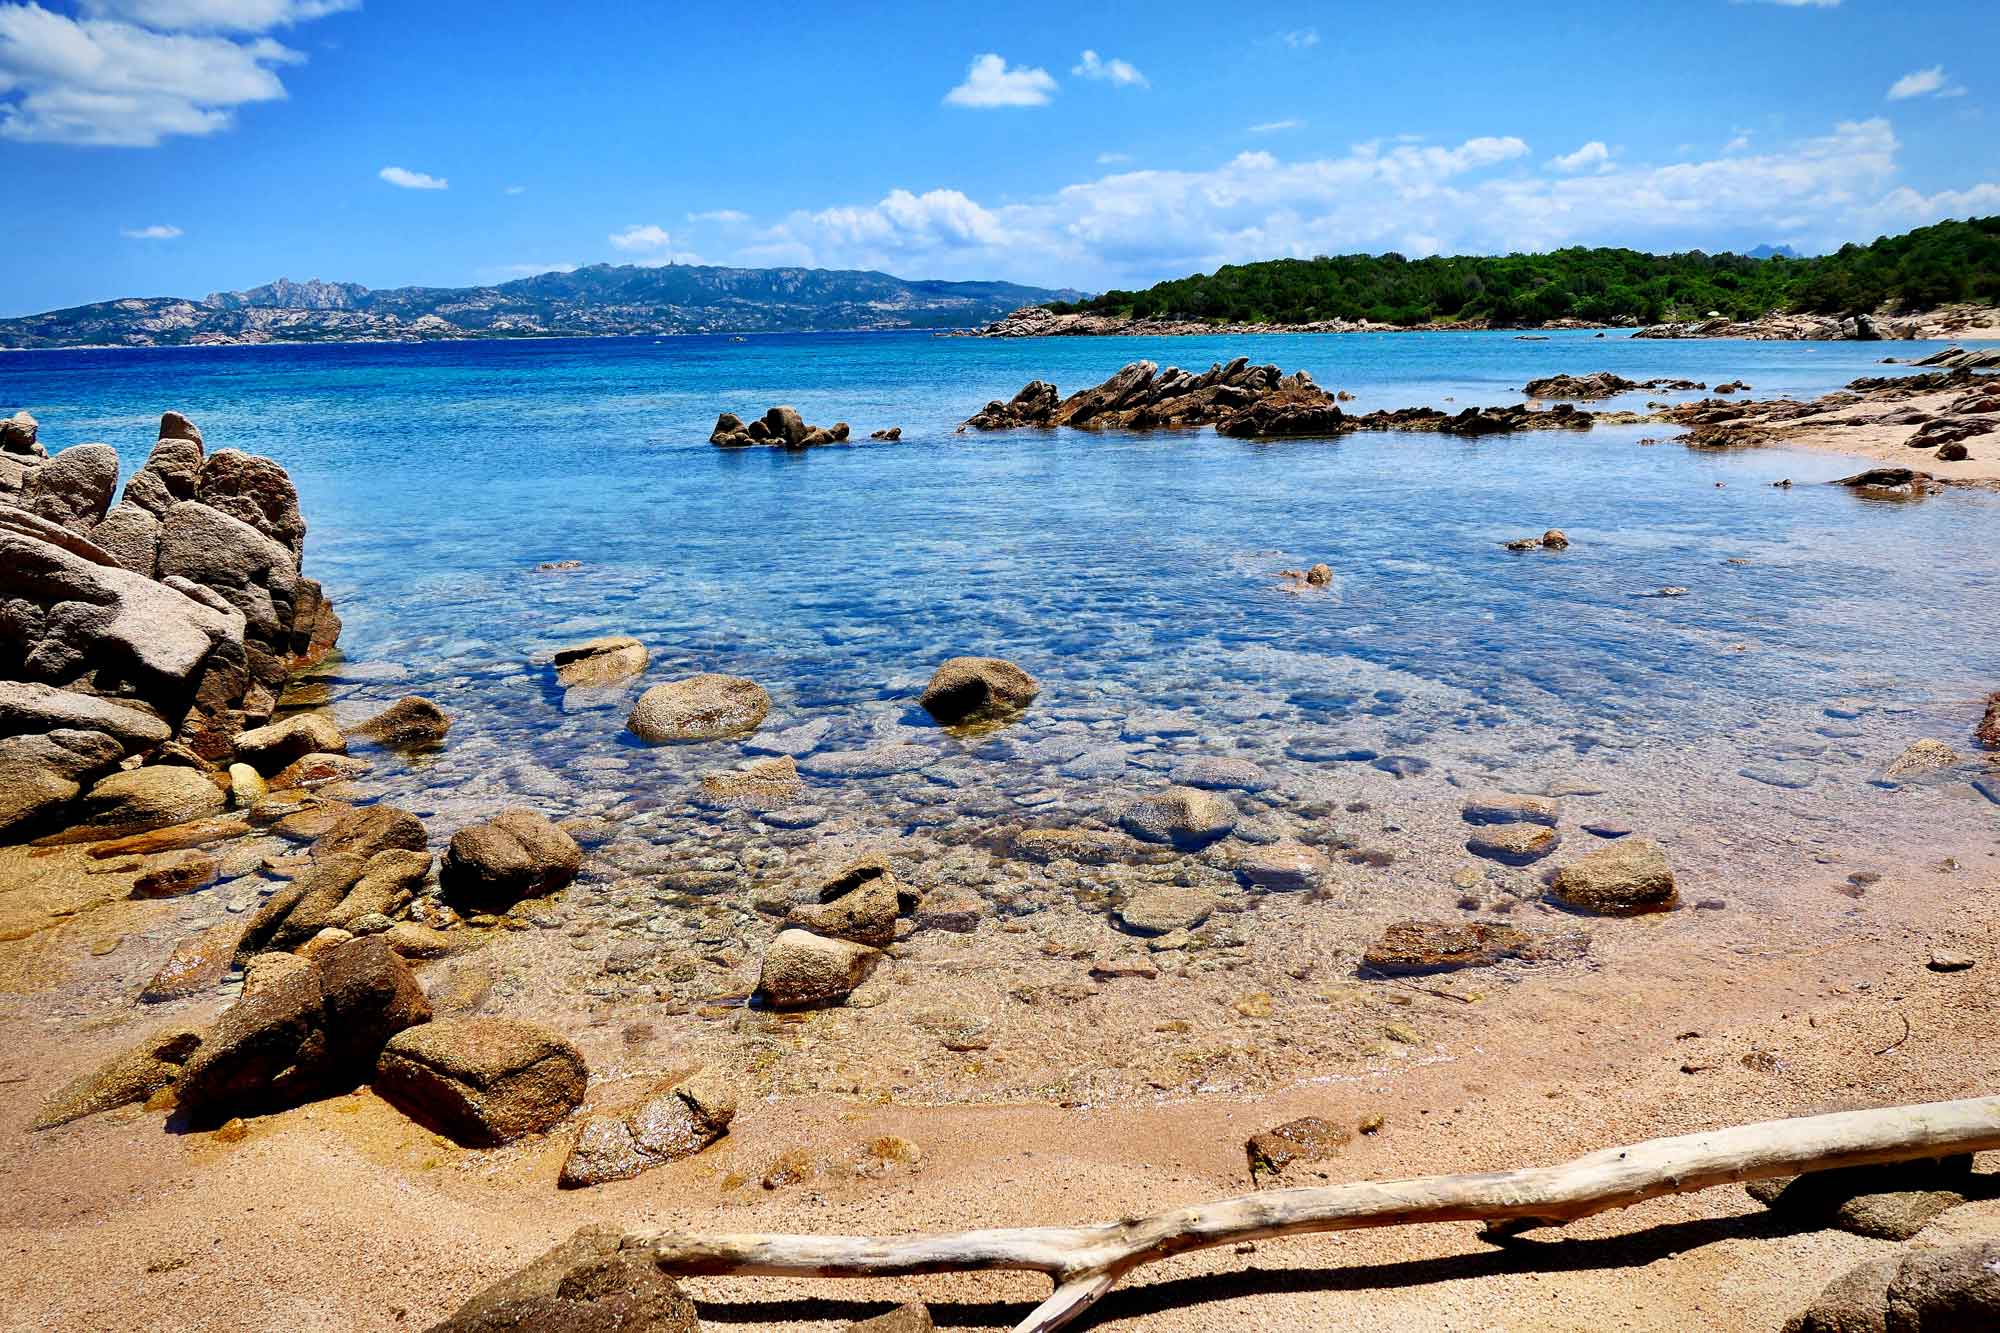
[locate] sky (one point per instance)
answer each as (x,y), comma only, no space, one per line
(179,147)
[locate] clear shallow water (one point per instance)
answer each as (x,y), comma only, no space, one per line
(1133,574)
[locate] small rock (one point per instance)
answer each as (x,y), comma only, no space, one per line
(1513,844)
(1157,909)
(1947,960)
(1283,867)
(704,707)
(1307,1139)
(482,1081)
(518,854)
(801,969)
(1184,817)
(1410,948)
(1507,808)
(676,1121)
(968,690)
(600,662)
(1629,876)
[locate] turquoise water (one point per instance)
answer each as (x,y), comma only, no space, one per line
(1133,574)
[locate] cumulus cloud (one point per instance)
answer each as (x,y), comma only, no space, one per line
(159,231)
(1277,126)
(1478,196)
(990,82)
(1117,73)
(404,179)
(1930,82)
(111,84)
(1593,156)
(216,15)
(728,217)
(641,238)
(1300,38)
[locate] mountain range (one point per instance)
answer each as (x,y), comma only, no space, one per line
(601,300)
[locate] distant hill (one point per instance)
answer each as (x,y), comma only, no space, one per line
(1924,269)
(600,300)
(1772,252)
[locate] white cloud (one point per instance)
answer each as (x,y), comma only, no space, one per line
(1277,126)
(1740,143)
(989,82)
(1930,82)
(1112,159)
(1479,196)
(216,15)
(111,84)
(1300,38)
(515,189)
(404,179)
(728,217)
(1593,156)
(1117,73)
(159,231)
(641,238)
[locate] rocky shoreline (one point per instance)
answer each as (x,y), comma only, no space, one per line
(1947,322)
(169,739)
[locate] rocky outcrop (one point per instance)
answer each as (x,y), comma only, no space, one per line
(1987,733)
(184,602)
(678,1120)
(335,893)
(515,855)
(1781,327)
(704,707)
(780,428)
(967,690)
(1946,1288)
(312,1032)
(482,1081)
(1602,384)
(1257,400)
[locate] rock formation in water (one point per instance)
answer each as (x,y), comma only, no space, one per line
(154,629)
(780,428)
(1242,401)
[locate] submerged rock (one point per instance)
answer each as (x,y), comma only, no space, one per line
(1628,877)
(1183,817)
(482,1081)
(704,707)
(978,689)
(1283,867)
(768,784)
(859,904)
(600,662)
(1410,948)
(1307,1139)
(1922,757)
(1513,844)
(1160,909)
(410,723)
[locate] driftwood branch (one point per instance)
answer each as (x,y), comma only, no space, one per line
(1086,1262)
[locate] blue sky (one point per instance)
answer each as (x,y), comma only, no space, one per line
(176,147)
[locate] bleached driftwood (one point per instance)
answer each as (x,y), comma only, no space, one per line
(1086,1262)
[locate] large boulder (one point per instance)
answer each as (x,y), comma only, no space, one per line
(20,436)
(676,1121)
(335,891)
(1182,817)
(54,742)
(978,689)
(168,477)
(88,624)
(482,1081)
(515,855)
(704,707)
(372,829)
(249,570)
(75,487)
(139,799)
(588,1284)
(259,492)
(312,1031)
(27,708)
(1628,877)
(802,970)
(132,536)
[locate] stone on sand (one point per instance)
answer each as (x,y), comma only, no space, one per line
(675,1121)
(1183,817)
(801,969)
(482,1081)
(517,854)
(132,1075)
(587,1284)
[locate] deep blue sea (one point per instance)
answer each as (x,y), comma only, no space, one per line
(1133,574)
